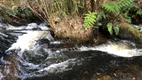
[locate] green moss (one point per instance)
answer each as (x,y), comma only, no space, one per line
(129,32)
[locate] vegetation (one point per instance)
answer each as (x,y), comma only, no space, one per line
(117,6)
(89,19)
(111,28)
(15,12)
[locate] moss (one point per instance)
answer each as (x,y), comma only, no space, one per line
(129,32)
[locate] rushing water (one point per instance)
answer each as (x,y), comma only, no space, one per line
(32,54)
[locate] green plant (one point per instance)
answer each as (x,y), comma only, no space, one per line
(118,9)
(6,10)
(89,19)
(117,6)
(128,19)
(116,29)
(109,27)
(139,12)
(111,7)
(124,3)
(112,28)
(61,8)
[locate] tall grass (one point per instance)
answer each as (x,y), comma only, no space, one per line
(7,7)
(61,8)
(46,8)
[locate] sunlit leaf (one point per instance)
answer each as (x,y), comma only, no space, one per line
(116,30)
(109,27)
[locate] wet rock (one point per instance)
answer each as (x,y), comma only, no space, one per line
(5,43)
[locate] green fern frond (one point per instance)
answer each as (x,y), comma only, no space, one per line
(139,12)
(124,3)
(111,7)
(117,6)
(110,28)
(128,19)
(116,29)
(89,19)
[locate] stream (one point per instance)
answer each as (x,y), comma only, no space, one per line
(29,52)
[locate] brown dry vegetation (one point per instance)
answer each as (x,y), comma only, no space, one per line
(66,16)
(70,28)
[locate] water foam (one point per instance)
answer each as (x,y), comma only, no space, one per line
(27,41)
(59,67)
(119,49)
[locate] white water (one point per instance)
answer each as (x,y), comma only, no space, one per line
(28,40)
(122,49)
(58,67)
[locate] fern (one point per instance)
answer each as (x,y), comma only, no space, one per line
(111,7)
(111,28)
(124,3)
(89,19)
(117,6)
(139,12)
(116,29)
(128,19)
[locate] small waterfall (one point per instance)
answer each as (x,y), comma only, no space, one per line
(120,48)
(32,33)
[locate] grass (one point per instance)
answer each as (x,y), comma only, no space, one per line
(45,8)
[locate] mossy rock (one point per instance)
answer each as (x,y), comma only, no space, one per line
(129,32)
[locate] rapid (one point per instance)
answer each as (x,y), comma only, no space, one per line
(29,52)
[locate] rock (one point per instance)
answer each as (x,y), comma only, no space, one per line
(130,33)
(5,42)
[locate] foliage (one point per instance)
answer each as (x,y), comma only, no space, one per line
(114,9)
(89,19)
(60,8)
(111,7)
(116,29)
(110,28)
(139,12)
(122,7)
(128,19)
(125,3)
(6,10)
(117,5)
